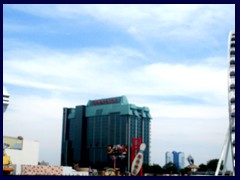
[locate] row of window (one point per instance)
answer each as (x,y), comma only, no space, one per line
(113,134)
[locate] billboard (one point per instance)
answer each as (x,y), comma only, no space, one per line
(13,142)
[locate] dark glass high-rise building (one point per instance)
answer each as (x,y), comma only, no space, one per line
(73,135)
(88,130)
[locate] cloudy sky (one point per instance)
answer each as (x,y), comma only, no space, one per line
(170,58)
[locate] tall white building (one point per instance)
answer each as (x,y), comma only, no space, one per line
(181,158)
(168,157)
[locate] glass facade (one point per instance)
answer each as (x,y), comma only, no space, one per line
(107,122)
(181,157)
(72,136)
(178,159)
(114,121)
(168,157)
(103,131)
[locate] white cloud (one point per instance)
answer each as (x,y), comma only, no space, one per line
(113,71)
(108,71)
(189,22)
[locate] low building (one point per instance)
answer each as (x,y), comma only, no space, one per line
(21,151)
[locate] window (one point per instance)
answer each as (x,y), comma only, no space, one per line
(232,53)
(99,112)
(232,73)
(232,62)
(232,100)
(232,86)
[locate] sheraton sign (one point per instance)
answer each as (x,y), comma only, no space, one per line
(105,101)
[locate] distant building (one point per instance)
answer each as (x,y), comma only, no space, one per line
(88,130)
(168,157)
(181,160)
(177,158)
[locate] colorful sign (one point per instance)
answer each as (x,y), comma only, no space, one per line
(105,101)
(13,142)
(138,161)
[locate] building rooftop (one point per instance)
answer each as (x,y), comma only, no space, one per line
(114,100)
(115,105)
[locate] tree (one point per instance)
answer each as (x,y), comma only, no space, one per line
(153,169)
(146,168)
(184,171)
(203,167)
(212,165)
(170,168)
(156,169)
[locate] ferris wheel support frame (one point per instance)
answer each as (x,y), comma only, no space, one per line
(230,137)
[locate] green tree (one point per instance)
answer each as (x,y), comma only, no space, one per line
(153,169)
(156,169)
(146,168)
(203,167)
(212,165)
(170,168)
(184,171)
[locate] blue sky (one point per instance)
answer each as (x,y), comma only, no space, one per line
(170,58)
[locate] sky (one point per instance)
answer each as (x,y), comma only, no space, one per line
(171,58)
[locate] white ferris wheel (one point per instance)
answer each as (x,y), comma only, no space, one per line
(229,143)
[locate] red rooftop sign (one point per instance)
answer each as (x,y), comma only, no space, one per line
(105,101)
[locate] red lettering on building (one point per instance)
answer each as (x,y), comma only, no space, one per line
(105,101)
